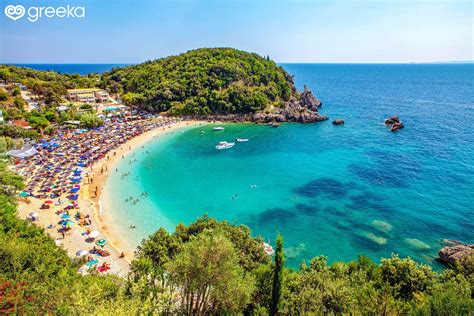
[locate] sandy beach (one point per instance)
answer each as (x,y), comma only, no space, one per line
(91,187)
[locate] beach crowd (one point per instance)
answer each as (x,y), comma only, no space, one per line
(64,162)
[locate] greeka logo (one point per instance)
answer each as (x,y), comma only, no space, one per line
(16,12)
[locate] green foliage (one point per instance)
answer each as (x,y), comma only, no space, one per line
(86,106)
(16,91)
(90,120)
(17,132)
(7,143)
(38,121)
(50,86)
(212,267)
(207,274)
(203,81)
(3,95)
(407,277)
(277,276)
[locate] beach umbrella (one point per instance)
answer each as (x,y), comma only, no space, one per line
(93,234)
(67,223)
(65,216)
(101,242)
(48,202)
(34,215)
(81,253)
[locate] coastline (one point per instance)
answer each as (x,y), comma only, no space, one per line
(93,201)
(90,204)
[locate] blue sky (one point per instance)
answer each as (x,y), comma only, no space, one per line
(287,30)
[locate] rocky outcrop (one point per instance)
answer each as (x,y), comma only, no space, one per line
(455,252)
(395,122)
(338,122)
(392,120)
(309,100)
(303,109)
(397,126)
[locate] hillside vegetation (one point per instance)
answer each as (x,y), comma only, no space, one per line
(50,86)
(203,81)
(212,268)
(224,82)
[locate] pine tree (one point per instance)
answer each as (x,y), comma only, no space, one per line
(277,276)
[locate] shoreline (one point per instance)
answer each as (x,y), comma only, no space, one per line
(103,218)
(90,204)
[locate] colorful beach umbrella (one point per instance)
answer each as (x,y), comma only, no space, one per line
(48,202)
(81,253)
(65,216)
(101,242)
(67,223)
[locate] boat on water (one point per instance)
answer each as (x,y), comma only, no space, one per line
(224,145)
(241,140)
(268,249)
(218,128)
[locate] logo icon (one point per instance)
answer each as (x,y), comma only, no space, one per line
(15,12)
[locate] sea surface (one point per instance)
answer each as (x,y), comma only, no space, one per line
(337,191)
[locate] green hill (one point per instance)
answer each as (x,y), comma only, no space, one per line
(223,82)
(217,81)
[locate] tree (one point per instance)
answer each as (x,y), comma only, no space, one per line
(15,91)
(208,276)
(277,276)
(3,95)
(406,276)
(38,121)
(90,120)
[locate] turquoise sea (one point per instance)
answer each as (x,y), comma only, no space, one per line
(338,191)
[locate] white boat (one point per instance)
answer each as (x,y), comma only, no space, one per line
(218,128)
(268,249)
(242,140)
(224,145)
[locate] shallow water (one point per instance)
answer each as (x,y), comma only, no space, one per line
(338,191)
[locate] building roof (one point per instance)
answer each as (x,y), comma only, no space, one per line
(21,123)
(84,90)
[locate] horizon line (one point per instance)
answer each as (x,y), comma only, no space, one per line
(278,62)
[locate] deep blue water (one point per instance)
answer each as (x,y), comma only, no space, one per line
(82,69)
(338,191)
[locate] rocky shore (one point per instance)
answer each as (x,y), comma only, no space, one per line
(303,109)
(455,252)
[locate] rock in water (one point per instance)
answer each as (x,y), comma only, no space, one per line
(338,122)
(374,238)
(382,226)
(309,100)
(392,120)
(417,244)
(456,252)
(397,126)
(395,122)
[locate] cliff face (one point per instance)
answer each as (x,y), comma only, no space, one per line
(303,108)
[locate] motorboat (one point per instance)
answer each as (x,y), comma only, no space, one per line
(224,145)
(218,128)
(268,249)
(241,140)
